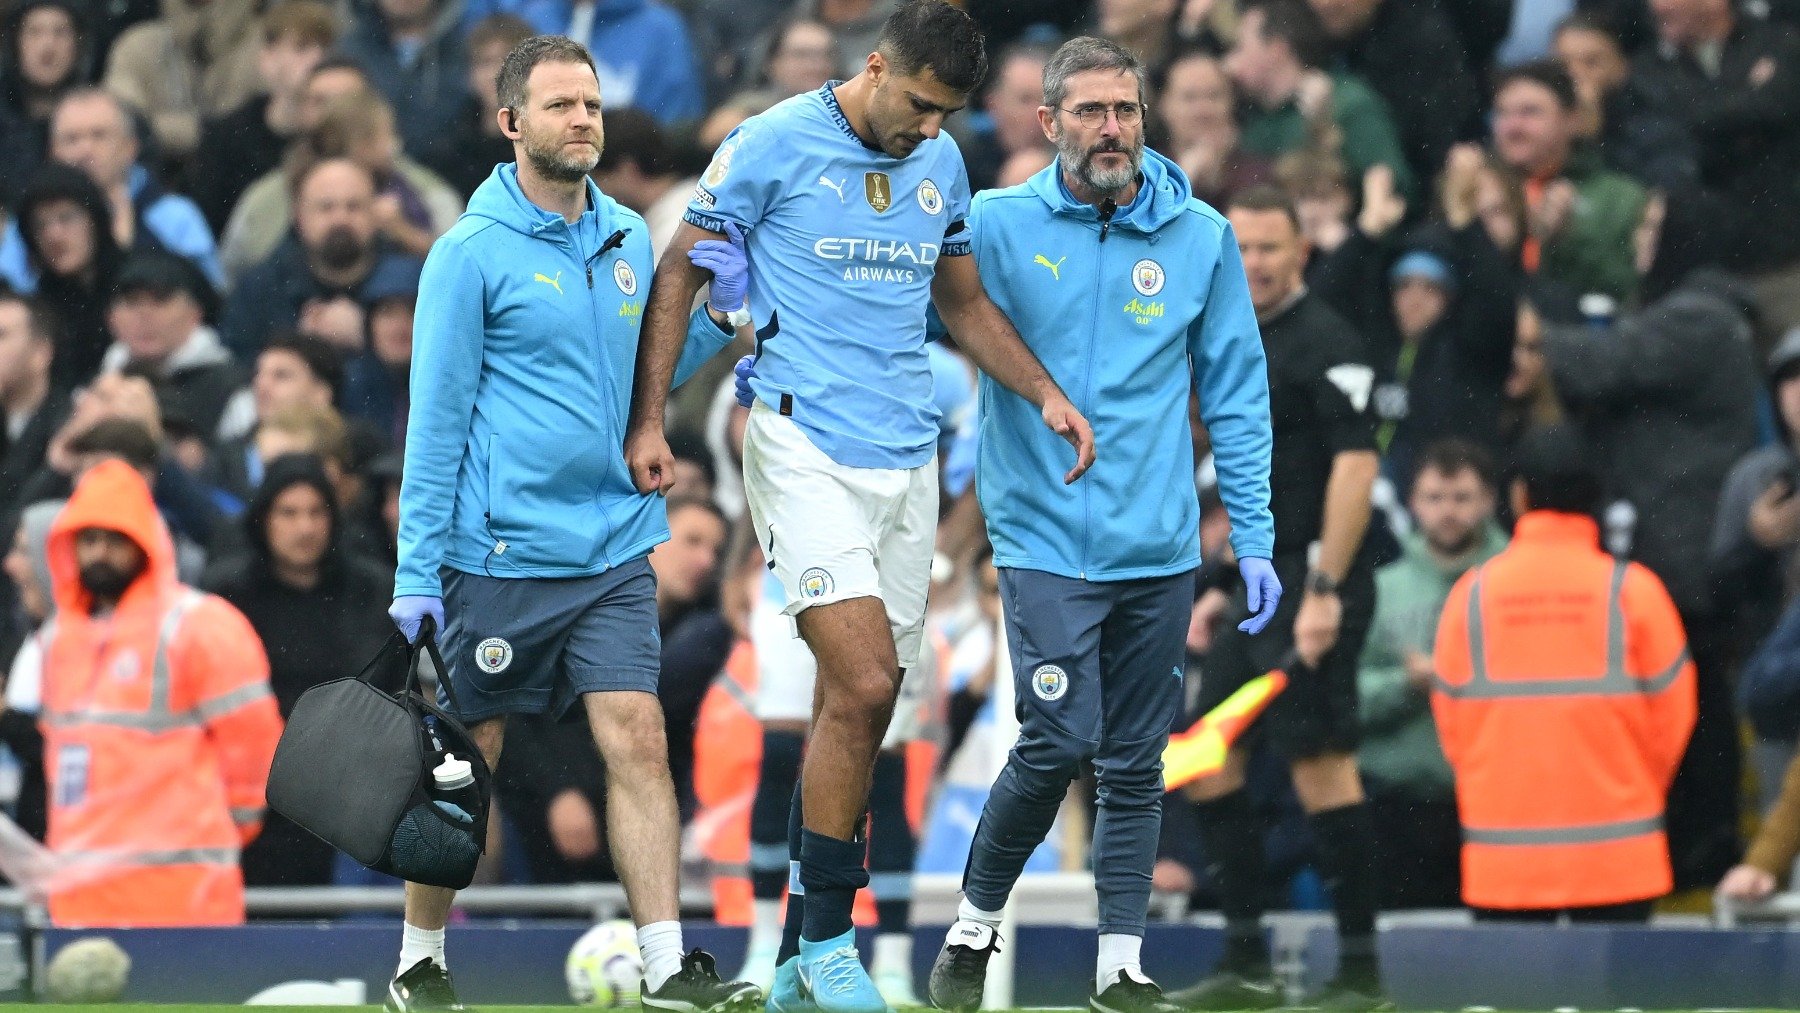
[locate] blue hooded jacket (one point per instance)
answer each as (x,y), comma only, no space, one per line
(1125,317)
(524,344)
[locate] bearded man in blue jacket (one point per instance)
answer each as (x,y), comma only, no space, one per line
(519,523)
(1129,290)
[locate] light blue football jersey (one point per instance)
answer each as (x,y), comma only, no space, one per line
(843,243)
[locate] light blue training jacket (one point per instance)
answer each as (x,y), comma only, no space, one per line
(524,345)
(1125,319)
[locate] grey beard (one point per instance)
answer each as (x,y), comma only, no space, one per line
(1109,181)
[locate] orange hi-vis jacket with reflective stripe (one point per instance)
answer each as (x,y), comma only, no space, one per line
(1564,699)
(727,761)
(159,727)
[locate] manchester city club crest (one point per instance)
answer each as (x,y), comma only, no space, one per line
(930,200)
(1147,277)
(624,277)
(1049,682)
(878,190)
(816,582)
(493,655)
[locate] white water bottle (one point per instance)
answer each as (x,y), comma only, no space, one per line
(455,783)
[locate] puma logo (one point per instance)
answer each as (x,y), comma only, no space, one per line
(837,187)
(555,283)
(1055,269)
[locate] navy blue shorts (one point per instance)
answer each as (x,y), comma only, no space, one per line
(522,645)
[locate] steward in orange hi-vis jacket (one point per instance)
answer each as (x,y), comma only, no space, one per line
(159,725)
(1564,699)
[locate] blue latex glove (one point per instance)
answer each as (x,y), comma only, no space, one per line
(745,371)
(730,268)
(409,610)
(1263,589)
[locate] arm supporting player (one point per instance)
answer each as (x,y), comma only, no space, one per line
(667,324)
(983,331)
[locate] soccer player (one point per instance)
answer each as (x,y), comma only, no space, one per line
(855,204)
(519,523)
(1099,579)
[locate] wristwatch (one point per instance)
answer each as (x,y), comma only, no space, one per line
(1320,582)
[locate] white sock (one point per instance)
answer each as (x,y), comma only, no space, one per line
(1118,954)
(416,944)
(893,950)
(660,945)
(965,911)
(765,923)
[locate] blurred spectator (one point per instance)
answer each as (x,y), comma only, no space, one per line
(91,131)
(730,113)
(50,51)
(1011,124)
(1409,53)
(1601,685)
(695,637)
(314,281)
(1198,114)
(248,141)
(132,640)
(1770,860)
(1582,215)
(1142,26)
(34,408)
(157,316)
(1277,62)
(292,369)
(1756,527)
(412,206)
(375,385)
(197,60)
(1412,797)
(642,50)
(1666,396)
(28,567)
(1022,165)
(1734,83)
(637,168)
(319,611)
(465,154)
(802,57)
(66,230)
(1453,300)
(1634,137)
(413,53)
(854,24)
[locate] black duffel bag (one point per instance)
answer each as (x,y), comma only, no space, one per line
(354,768)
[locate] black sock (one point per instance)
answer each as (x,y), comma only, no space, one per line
(1232,831)
(1344,846)
(769,853)
(796,906)
(831,871)
(892,846)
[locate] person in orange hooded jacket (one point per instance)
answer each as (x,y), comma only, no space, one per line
(159,725)
(1564,698)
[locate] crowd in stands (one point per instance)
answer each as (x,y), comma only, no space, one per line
(1530,211)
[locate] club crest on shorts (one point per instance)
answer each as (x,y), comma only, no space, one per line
(1049,682)
(930,200)
(493,655)
(816,582)
(1147,277)
(624,277)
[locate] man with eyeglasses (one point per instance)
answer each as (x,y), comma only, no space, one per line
(1130,290)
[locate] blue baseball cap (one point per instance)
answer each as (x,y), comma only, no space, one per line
(1423,264)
